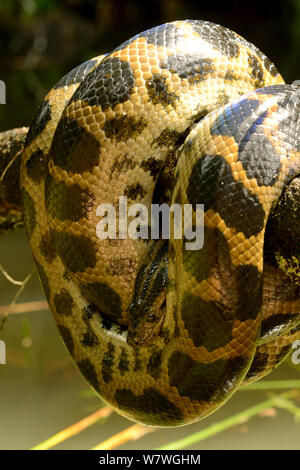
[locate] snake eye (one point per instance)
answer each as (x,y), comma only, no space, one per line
(151,317)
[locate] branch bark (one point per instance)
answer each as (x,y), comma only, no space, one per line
(11,144)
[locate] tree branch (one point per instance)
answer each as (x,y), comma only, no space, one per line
(11,144)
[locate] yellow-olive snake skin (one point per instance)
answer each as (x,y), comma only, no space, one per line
(191,113)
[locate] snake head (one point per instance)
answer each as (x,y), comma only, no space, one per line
(148,325)
(147,310)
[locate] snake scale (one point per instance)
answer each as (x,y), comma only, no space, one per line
(191,113)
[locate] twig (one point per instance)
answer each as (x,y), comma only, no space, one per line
(74,429)
(18,293)
(286,404)
(9,278)
(25,307)
(272,385)
(134,432)
(9,165)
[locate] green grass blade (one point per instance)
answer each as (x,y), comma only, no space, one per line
(225,424)
(272,384)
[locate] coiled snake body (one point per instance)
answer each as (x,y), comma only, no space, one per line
(185,113)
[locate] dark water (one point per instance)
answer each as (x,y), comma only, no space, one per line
(41,389)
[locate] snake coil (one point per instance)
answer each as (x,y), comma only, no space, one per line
(190,113)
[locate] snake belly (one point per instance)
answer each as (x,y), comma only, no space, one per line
(170,101)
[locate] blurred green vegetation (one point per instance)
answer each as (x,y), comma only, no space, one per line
(41,40)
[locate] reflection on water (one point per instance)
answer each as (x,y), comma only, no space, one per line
(41,389)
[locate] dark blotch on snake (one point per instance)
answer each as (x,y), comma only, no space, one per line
(154,364)
(270,67)
(266,170)
(258,364)
(36,166)
(109,84)
(212,183)
(123,128)
(29,213)
(135,191)
(150,406)
(167,139)
(67,202)
(229,122)
(289,126)
(108,363)
(199,263)
(123,163)
(152,165)
(77,251)
(67,337)
(158,91)
(138,363)
(270,90)
(87,369)
(63,303)
(47,248)
(257,72)
(190,66)
(89,338)
(248,282)
(106,299)
(205,323)
(74,149)
(124,363)
(42,117)
(201,381)
(76,75)
(163,35)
